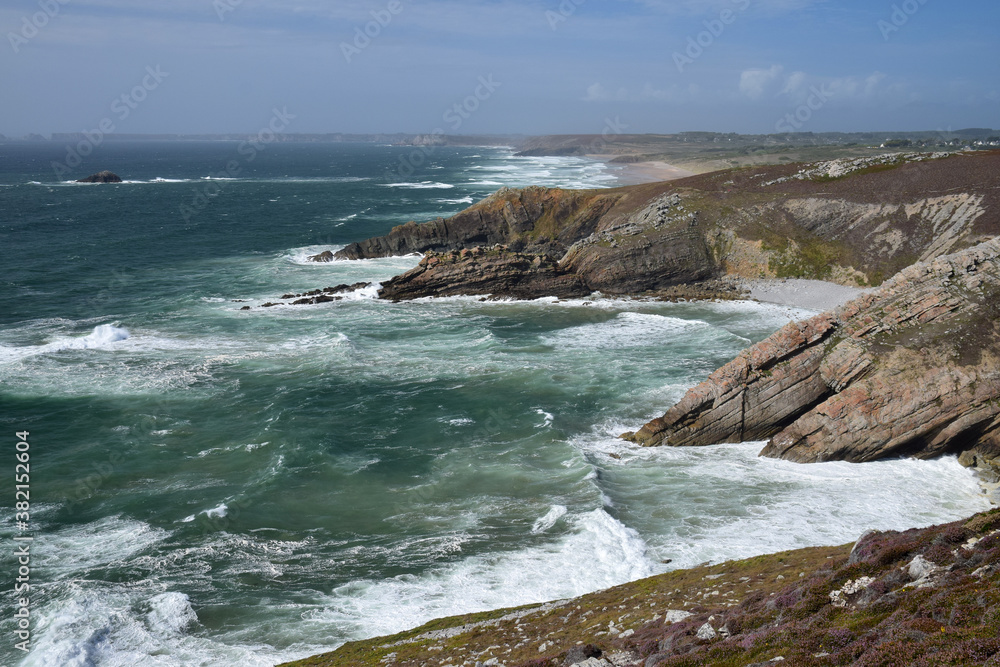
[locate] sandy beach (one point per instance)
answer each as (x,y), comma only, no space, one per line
(644,172)
(799,293)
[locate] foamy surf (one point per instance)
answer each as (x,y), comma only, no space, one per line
(597,552)
(103,337)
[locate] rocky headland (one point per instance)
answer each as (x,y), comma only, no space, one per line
(851,222)
(911,367)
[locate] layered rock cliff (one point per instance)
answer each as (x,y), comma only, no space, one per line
(854,222)
(534,220)
(912,369)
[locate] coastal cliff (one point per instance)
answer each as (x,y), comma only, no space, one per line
(908,370)
(852,222)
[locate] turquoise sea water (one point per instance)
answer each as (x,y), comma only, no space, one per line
(211,486)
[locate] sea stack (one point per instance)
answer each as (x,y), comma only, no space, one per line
(102,177)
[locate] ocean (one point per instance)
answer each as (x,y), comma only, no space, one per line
(214,486)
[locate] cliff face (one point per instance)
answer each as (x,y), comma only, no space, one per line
(534,220)
(854,222)
(912,369)
(478,271)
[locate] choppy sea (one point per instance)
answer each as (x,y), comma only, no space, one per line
(213,486)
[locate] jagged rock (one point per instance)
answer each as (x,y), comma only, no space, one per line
(101,177)
(499,273)
(325,256)
(537,220)
(579,654)
(912,369)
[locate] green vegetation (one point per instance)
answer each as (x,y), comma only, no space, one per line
(806,606)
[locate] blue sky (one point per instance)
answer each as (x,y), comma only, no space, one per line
(511,66)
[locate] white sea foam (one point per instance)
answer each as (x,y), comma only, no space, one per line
(103,336)
(549,520)
(626,330)
(73,550)
(423,185)
(101,624)
(170,614)
(598,552)
(727,503)
(547,416)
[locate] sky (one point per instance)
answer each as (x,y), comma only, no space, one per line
(498,66)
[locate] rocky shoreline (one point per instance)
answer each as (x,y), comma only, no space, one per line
(910,368)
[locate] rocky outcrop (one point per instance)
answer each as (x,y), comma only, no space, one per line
(912,369)
(498,272)
(533,220)
(854,222)
(101,177)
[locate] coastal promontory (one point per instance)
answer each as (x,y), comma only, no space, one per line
(852,222)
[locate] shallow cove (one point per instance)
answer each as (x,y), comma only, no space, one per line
(221,486)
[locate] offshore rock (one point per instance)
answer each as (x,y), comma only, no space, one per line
(498,272)
(912,369)
(101,177)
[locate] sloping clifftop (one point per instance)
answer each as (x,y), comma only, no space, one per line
(912,369)
(927,596)
(853,222)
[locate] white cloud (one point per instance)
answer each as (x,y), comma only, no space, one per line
(753,82)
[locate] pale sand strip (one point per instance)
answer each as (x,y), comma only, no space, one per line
(651,172)
(799,293)
(643,172)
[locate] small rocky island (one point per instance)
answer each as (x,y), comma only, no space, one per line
(101,177)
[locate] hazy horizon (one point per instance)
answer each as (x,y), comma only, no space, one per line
(528,67)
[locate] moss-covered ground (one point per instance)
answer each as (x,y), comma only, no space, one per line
(760,609)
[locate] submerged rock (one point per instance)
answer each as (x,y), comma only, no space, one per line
(101,177)
(912,369)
